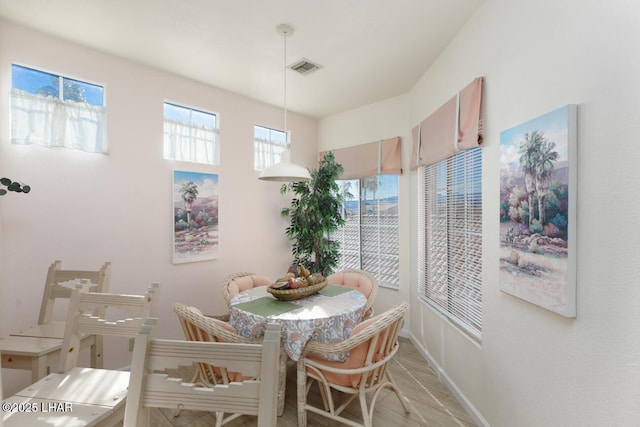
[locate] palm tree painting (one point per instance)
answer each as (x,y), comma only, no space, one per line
(537,211)
(195,216)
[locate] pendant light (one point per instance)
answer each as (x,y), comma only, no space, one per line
(285,171)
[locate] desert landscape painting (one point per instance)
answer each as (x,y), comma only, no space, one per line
(537,211)
(195,216)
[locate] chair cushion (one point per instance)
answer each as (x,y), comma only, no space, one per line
(353,280)
(240,284)
(233,376)
(356,359)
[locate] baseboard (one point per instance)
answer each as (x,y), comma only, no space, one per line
(446,380)
(404,334)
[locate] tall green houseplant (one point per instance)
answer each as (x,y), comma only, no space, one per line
(315,212)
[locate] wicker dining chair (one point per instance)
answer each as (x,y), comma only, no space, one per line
(199,327)
(360,280)
(235,283)
(370,346)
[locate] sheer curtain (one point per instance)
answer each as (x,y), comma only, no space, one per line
(52,122)
(267,152)
(191,143)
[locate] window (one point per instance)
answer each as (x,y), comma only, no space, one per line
(268,146)
(450,238)
(190,135)
(370,238)
(56,111)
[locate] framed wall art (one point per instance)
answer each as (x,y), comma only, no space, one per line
(538,211)
(195,216)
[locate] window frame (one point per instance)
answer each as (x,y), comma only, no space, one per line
(458,297)
(61,81)
(274,157)
(54,120)
(193,152)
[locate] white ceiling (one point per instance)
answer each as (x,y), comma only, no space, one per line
(371,50)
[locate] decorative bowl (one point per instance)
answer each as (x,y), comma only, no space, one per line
(298,293)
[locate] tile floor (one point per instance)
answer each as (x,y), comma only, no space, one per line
(431,402)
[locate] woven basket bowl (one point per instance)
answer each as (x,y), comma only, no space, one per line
(294,294)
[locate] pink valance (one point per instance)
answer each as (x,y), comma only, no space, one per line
(438,134)
(469,128)
(454,126)
(374,158)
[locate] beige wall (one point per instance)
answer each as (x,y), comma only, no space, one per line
(535,368)
(85,209)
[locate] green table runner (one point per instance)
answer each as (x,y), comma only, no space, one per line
(333,290)
(267,306)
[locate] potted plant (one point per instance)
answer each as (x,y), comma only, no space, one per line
(315,213)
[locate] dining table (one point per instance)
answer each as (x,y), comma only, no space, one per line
(327,316)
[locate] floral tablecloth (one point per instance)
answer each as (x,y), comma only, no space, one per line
(317,317)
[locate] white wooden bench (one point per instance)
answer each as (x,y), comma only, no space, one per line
(37,348)
(76,396)
(149,387)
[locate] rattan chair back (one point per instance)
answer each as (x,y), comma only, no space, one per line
(241,281)
(359,280)
(198,327)
(373,343)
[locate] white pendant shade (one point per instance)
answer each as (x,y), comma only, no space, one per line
(285,171)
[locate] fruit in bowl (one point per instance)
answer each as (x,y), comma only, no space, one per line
(297,278)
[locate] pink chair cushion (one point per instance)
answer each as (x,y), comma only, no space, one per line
(356,359)
(240,284)
(353,280)
(233,376)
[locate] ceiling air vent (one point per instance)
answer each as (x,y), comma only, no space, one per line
(304,66)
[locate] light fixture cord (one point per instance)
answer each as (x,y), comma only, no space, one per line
(284,69)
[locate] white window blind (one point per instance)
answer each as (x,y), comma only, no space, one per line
(450,238)
(370,238)
(190,135)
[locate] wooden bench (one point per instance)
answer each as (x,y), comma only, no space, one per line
(38,348)
(83,396)
(150,388)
